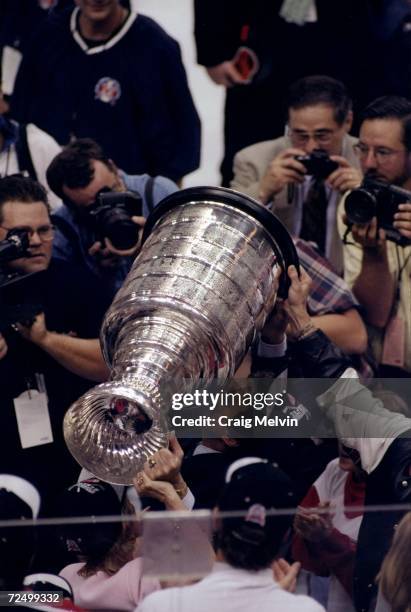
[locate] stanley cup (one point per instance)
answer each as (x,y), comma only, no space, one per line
(207,276)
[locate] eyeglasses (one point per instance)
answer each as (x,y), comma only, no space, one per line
(381,154)
(44,232)
(322,137)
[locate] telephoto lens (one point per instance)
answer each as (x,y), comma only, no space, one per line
(360,206)
(120,229)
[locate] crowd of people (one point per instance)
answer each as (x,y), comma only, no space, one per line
(97,121)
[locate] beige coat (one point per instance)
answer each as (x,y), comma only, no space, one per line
(250,165)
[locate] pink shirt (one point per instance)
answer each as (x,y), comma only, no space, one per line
(122,591)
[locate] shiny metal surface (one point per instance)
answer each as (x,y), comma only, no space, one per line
(202,285)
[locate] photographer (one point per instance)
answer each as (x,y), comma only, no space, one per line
(78,175)
(319,118)
(377,268)
(49,351)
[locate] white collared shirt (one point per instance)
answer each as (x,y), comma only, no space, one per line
(228,589)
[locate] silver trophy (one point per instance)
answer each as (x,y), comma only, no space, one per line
(207,276)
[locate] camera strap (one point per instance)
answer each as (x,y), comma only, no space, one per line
(24,158)
(148,194)
(69,233)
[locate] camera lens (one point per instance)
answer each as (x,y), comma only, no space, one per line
(120,229)
(123,234)
(360,206)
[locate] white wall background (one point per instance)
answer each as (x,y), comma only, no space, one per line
(176,17)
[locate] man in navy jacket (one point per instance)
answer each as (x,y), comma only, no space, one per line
(104,72)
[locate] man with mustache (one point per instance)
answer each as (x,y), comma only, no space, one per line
(379,270)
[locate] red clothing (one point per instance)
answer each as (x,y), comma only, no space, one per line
(335,554)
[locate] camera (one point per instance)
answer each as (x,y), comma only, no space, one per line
(18,292)
(318,164)
(377,199)
(112,214)
(14,246)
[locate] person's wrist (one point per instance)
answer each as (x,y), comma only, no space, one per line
(266,191)
(45,341)
(300,325)
(306,331)
(180,487)
(263,197)
(300,317)
(171,498)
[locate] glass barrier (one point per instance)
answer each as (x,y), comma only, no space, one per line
(343,556)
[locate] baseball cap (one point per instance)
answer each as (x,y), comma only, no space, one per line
(257,488)
(20,500)
(91,498)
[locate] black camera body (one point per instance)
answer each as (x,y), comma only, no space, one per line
(18,301)
(112,214)
(14,246)
(377,199)
(318,164)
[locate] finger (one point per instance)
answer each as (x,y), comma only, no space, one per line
(402,218)
(156,464)
(174,445)
(141,221)
(340,178)
(278,573)
(405,207)
(284,565)
(291,152)
(405,232)
(140,480)
(382,237)
(344,178)
(288,582)
(347,185)
(95,248)
(371,233)
(293,164)
(233,74)
(304,276)
(344,163)
(292,273)
(291,176)
(335,175)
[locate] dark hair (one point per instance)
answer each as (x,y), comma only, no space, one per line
(387,107)
(72,167)
(18,188)
(320,89)
(247,547)
(257,488)
(391,107)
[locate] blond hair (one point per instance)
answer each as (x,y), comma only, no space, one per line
(395,575)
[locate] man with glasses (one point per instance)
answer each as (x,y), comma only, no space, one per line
(49,351)
(379,270)
(319,118)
